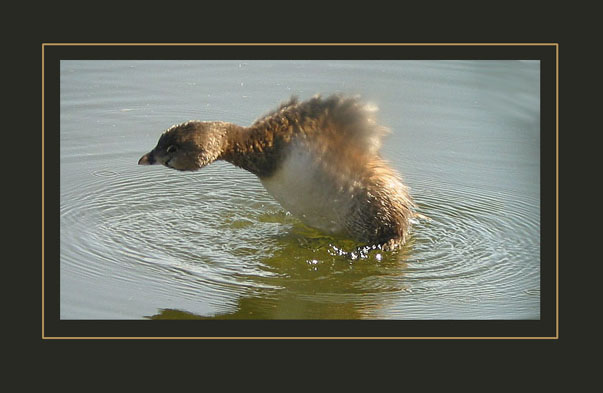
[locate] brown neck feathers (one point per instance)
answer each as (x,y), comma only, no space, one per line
(258,149)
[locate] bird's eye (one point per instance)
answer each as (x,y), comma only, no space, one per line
(171,149)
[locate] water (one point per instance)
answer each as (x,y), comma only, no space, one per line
(140,242)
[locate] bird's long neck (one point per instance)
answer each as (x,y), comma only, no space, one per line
(256,149)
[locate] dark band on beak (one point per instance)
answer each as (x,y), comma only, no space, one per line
(147,159)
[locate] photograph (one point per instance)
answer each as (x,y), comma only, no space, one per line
(299,190)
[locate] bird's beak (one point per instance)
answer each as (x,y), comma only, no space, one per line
(147,159)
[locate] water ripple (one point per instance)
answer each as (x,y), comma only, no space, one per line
(217,236)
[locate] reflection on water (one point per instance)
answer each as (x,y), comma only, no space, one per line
(148,242)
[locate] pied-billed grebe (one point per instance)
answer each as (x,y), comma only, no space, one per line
(318,158)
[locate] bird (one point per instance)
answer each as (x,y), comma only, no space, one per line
(319,158)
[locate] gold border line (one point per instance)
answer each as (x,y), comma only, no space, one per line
(293,44)
(557,185)
(43,304)
(302,338)
(555,44)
